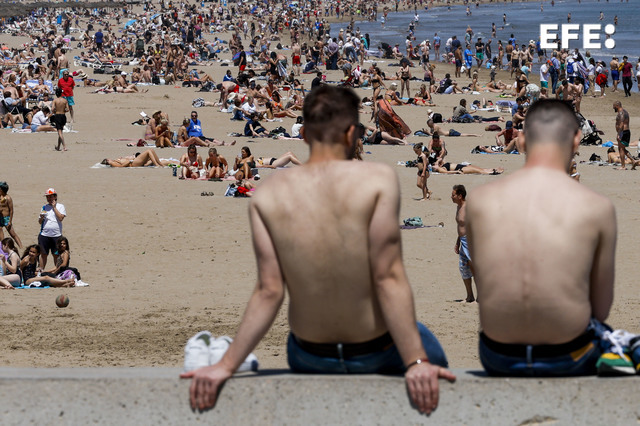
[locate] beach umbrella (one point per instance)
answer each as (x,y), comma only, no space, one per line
(131,22)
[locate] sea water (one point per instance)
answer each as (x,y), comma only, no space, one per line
(523,20)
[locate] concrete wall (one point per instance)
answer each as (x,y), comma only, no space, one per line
(145,396)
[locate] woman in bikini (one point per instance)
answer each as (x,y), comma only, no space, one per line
(12,275)
(391,96)
(191,163)
(216,165)
(150,130)
(273,163)
(423,171)
(243,164)
(29,262)
(405,78)
(423,97)
(147,158)
(163,135)
(376,84)
(464,169)
(375,136)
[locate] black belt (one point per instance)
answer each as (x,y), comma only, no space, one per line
(538,351)
(345,350)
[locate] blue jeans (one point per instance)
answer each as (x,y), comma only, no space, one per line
(466,116)
(580,362)
(385,362)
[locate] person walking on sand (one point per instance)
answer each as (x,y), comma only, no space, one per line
(59,109)
(6,213)
(458,196)
(358,316)
(623,133)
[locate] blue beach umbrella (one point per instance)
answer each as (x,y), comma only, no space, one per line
(131,22)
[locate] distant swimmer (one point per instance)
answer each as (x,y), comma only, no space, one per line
(601,16)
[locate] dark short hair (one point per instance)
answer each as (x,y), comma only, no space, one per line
(551,120)
(460,190)
(328,111)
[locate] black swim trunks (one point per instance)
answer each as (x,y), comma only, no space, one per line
(625,137)
(58,121)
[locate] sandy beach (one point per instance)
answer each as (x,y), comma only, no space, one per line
(164,262)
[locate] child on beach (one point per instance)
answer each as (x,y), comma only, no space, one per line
(10,265)
(6,213)
(29,264)
(58,276)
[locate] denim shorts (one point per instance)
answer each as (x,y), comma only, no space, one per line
(384,362)
(578,361)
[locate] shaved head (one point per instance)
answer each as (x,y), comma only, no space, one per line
(551,121)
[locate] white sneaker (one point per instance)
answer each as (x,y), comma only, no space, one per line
(196,351)
(220,346)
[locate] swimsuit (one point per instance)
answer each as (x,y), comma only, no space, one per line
(377,138)
(447,166)
(58,121)
(6,221)
(625,137)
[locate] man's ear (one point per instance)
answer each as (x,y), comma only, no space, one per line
(576,141)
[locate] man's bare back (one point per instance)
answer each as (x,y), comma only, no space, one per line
(338,253)
(323,293)
(543,248)
(59,106)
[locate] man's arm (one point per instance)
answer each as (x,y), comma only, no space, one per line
(59,215)
(395,296)
(261,310)
(602,270)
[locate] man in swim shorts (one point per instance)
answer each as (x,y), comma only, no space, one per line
(58,118)
(67,84)
(545,296)
(358,316)
(458,196)
(623,132)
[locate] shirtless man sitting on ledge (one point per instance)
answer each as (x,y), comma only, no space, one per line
(357,316)
(543,302)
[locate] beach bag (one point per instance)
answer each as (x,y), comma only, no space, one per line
(437,117)
(413,221)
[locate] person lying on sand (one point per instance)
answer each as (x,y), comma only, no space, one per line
(146,158)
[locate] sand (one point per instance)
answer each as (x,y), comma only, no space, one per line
(164,262)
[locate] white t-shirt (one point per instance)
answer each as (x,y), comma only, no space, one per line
(52,227)
(544,72)
(39,119)
(295,130)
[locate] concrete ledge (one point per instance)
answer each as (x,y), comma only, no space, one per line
(144,396)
